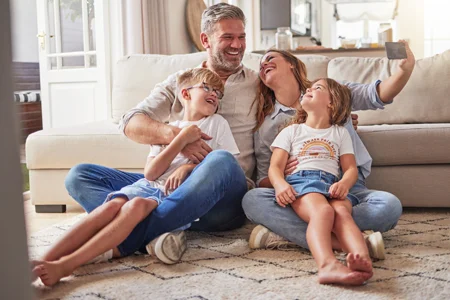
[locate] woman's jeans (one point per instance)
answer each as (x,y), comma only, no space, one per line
(212,193)
(377,210)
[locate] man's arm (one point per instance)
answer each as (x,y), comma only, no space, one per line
(390,87)
(145,123)
(144,130)
(156,166)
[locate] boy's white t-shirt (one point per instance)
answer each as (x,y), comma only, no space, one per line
(315,149)
(215,126)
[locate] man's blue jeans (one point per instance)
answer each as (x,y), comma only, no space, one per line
(212,193)
(377,210)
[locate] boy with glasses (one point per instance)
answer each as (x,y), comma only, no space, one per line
(115,228)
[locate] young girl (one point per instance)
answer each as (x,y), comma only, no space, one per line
(321,144)
(117,226)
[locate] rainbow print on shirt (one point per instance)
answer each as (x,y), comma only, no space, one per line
(318,148)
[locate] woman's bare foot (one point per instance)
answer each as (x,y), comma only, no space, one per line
(356,262)
(340,274)
(51,272)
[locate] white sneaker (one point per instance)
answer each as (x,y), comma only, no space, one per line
(101,258)
(168,247)
(261,237)
(375,244)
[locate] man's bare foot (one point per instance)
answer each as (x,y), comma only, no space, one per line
(340,274)
(51,272)
(356,262)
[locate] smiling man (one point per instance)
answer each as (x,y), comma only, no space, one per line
(223,37)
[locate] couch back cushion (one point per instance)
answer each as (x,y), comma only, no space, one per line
(316,65)
(137,74)
(424,99)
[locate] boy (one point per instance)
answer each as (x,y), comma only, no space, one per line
(114,228)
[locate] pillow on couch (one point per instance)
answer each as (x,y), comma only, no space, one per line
(424,99)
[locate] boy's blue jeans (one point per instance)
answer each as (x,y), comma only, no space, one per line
(212,193)
(377,210)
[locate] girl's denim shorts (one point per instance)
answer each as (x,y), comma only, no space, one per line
(141,188)
(314,181)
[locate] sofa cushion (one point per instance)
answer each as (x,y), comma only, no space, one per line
(407,144)
(137,74)
(425,98)
(316,65)
(98,143)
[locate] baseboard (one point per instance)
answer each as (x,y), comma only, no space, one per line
(26,196)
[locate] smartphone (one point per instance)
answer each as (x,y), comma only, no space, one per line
(395,50)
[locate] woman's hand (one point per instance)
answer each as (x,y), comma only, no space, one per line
(176,178)
(338,190)
(285,194)
(407,64)
(355,121)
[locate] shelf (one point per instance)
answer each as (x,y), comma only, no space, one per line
(355,1)
(341,52)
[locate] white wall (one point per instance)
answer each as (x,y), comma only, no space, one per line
(24,31)
(179,41)
(410,24)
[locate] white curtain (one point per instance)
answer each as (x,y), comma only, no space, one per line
(144,26)
(379,11)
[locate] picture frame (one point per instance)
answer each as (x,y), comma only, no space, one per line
(301,18)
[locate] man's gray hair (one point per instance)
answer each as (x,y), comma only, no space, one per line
(218,12)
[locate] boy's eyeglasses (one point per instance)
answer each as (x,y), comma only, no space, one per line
(207,89)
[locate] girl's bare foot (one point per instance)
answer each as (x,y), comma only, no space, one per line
(340,274)
(356,262)
(51,272)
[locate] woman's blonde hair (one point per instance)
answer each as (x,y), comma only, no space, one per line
(265,96)
(341,104)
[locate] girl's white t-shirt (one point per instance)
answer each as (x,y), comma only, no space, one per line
(315,149)
(215,126)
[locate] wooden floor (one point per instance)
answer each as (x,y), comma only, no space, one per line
(36,222)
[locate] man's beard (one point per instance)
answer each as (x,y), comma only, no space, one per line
(221,62)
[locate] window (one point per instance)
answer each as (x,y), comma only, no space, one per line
(362,28)
(355,20)
(437,27)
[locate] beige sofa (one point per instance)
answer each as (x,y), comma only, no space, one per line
(411,156)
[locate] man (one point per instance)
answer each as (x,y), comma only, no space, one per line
(223,36)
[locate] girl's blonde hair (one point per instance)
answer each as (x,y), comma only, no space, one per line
(341,105)
(265,97)
(198,75)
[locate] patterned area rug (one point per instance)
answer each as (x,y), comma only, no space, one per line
(221,266)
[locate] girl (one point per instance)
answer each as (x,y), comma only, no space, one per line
(321,144)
